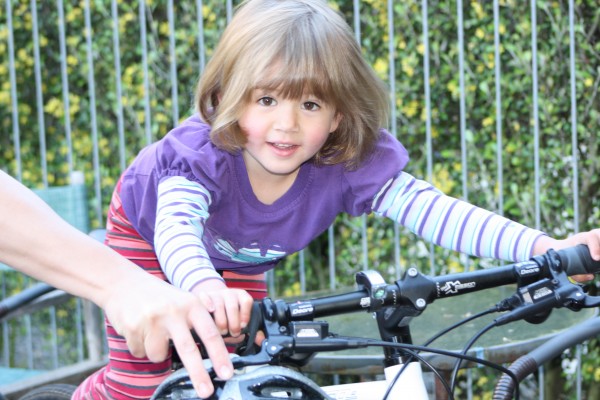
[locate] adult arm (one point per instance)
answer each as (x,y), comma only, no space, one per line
(145,310)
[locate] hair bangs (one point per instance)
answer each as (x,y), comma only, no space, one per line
(295,66)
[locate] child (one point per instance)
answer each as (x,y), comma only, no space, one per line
(287,137)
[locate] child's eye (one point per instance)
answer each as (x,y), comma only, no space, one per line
(266,101)
(310,106)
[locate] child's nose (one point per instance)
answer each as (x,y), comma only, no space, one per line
(287,119)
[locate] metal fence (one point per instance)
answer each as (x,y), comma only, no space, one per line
(65,109)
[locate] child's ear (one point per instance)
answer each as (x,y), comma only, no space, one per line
(336,121)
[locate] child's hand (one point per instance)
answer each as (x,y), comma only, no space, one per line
(230,308)
(589,238)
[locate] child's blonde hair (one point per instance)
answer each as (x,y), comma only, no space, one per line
(294,47)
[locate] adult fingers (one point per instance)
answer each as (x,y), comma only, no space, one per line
(213,343)
(156,345)
(190,356)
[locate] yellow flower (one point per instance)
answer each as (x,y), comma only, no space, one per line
(4,97)
(411,109)
(588,82)
(478,9)
(381,66)
(163,28)
(72,60)
(407,68)
(452,88)
(55,107)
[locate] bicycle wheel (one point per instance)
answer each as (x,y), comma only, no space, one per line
(56,391)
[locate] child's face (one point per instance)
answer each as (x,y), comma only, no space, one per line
(284,133)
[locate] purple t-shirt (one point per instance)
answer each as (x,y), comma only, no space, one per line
(237,218)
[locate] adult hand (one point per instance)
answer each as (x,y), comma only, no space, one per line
(165,313)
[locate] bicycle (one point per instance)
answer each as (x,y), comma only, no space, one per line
(293,336)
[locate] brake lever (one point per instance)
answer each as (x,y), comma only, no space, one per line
(591,301)
(263,357)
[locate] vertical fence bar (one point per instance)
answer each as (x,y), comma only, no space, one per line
(536,155)
(497,76)
(463,95)
(118,85)
(5,327)
(93,122)
(363,218)
(536,127)
(573,77)
(427,89)
(302,272)
(200,23)
(38,93)
(13,91)
(29,340)
(356,16)
(393,114)
(173,63)
(462,109)
(463,137)
(331,252)
(65,83)
(229,6)
(575,167)
(144,44)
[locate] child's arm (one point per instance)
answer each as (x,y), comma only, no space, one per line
(181,213)
(460,226)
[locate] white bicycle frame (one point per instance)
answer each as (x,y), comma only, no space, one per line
(409,385)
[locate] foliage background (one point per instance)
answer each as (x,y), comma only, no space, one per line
(556,197)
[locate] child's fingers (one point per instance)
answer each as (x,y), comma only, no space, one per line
(246,302)
(593,244)
(232,307)
(219,313)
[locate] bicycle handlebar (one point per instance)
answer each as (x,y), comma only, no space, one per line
(416,290)
(577,261)
(12,303)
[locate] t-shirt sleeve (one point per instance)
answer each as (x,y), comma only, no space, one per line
(359,186)
(186,152)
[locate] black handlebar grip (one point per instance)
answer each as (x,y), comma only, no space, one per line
(577,261)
